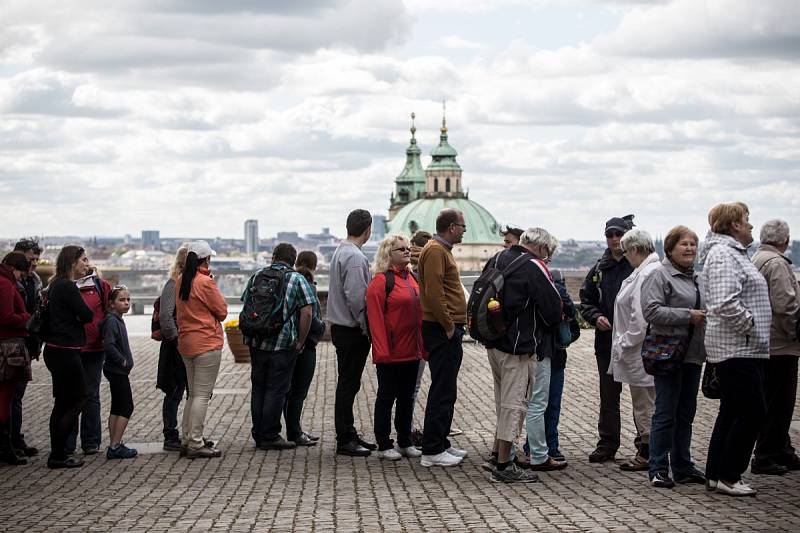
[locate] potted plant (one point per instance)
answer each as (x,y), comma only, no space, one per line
(240,351)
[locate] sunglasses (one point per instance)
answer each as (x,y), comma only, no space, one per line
(614,233)
(403,249)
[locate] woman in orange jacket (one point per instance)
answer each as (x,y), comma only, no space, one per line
(200,309)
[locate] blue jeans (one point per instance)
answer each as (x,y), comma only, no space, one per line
(271,378)
(534,420)
(90,423)
(671,428)
(553,411)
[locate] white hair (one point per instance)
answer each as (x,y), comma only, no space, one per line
(775,231)
(638,240)
(537,237)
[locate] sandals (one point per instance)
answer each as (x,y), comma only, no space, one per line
(637,464)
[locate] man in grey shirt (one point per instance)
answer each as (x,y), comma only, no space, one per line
(349,277)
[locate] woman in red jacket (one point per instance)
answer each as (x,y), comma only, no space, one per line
(395,324)
(15,363)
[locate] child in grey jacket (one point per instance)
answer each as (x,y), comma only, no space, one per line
(117,366)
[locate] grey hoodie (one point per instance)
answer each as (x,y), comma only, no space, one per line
(347,288)
(737,299)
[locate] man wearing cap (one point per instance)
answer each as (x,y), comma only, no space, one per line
(598,293)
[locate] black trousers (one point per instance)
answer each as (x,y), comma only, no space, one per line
(396,384)
(271,377)
(780,391)
(444,360)
(301,382)
(608,421)
(69,394)
(352,348)
(741,412)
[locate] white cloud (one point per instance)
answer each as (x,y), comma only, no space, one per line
(458,43)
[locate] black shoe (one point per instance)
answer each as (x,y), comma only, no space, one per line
(311,436)
(69,462)
(172,445)
(791,463)
(91,451)
(692,476)
(365,444)
(209,443)
(557,455)
(768,468)
(305,440)
(28,451)
(601,455)
(662,481)
(276,444)
(353,449)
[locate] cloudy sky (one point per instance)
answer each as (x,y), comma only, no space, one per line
(190,116)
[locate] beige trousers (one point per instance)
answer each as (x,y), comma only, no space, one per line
(201,375)
(643,400)
(513,380)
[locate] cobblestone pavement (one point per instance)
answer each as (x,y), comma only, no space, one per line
(312,489)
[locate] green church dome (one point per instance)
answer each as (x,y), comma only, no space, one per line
(421,214)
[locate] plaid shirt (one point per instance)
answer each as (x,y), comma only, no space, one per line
(299,293)
(737,299)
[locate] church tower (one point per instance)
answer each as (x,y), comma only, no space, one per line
(443,175)
(410,183)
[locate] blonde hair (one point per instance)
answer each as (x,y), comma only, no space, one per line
(382,256)
(722,217)
(180,261)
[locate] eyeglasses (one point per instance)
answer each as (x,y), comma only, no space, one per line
(403,249)
(614,233)
(463,226)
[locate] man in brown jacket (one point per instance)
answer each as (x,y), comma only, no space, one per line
(774,453)
(444,314)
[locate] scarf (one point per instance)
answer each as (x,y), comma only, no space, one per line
(689,271)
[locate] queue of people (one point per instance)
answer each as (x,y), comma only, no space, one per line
(657,323)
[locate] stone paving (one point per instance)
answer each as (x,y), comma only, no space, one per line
(311,489)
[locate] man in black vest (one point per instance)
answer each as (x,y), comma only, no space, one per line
(598,293)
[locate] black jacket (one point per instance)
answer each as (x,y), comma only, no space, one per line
(66,315)
(560,358)
(598,293)
(531,306)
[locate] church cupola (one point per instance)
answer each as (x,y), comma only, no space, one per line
(410,183)
(443,175)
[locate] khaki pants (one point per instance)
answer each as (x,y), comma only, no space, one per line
(643,401)
(513,380)
(201,375)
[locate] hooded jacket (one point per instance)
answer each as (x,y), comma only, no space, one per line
(784,298)
(598,293)
(739,314)
(117,349)
(530,303)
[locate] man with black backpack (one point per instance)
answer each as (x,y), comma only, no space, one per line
(529,306)
(275,320)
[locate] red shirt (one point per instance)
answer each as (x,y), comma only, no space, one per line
(13,315)
(395,324)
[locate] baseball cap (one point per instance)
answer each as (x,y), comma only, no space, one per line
(622,224)
(201,248)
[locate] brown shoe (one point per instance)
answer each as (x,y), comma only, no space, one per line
(637,464)
(549,464)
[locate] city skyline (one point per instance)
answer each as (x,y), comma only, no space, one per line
(177,115)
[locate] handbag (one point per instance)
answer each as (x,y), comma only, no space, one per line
(710,385)
(663,354)
(37,322)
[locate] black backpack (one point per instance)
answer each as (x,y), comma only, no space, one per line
(262,314)
(489,286)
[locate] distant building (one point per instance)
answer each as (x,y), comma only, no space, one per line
(251,236)
(291,237)
(151,239)
(378,227)
(420,195)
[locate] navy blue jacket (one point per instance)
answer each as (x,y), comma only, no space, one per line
(117,350)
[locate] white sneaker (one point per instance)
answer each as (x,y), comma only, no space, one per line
(456,452)
(711,485)
(390,455)
(737,489)
(411,451)
(440,459)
